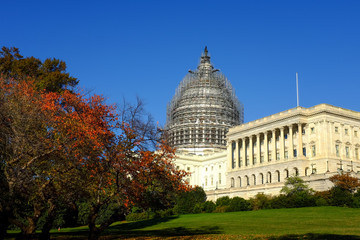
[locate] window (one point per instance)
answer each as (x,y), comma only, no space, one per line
(205,169)
(346,131)
(336,129)
(286,154)
(177,167)
(219,178)
(312,130)
(254,160)
(355,133)
(277,155)
(337,150)
(356,153)
(347,152)
(212,181)
(188,168)
(205,181)
(232,182)
(304,151)
(219,166)
(261,158)
(313,150)
(295,153)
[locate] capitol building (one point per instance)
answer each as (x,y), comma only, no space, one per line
(227,157)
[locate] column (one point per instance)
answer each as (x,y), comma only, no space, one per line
(229,156)
(258,149)
(244,151)
(300,145)
(273,141)
(251,150)
(291,145)
(236,154)
(266,147)
(282,145)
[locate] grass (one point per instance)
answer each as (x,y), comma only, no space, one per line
(300,223)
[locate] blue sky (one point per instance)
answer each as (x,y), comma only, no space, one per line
(125,49)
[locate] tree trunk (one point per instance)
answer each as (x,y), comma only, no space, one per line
(49,220)
(4,224)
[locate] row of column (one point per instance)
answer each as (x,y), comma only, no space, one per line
(248,157)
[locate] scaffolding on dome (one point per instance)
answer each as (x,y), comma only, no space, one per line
(203,108)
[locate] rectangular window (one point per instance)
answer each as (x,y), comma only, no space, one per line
(355,133)
(304,151)
(336,129)
(247,161)
(337,150)
(254,160)
(313,150)
(295,153)
(347,152)
(356,153)
(277,155)
(346,131)
(269,157)
(286,155)
(219,178)
(312,130)
(262,158)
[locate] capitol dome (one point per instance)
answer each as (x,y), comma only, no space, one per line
(202,110)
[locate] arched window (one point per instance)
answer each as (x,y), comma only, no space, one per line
(307,172)
(268,177)
(239,180)
(277,175)
(247,180)
(286,173)
(232,182)
(261,178)
(296,171)
(254,179)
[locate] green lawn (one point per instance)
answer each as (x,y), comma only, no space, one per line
(300,223)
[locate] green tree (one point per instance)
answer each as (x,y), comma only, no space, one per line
(49,75)
(187,201)
(294,185)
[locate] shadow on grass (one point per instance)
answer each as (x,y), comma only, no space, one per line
(314,236)
(133,229)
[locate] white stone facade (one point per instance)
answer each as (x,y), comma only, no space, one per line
(313,143)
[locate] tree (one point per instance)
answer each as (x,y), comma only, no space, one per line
(187,201)
(295,185)
(346,182)
(45,137)
(49,75)
(297,193)
(342,193)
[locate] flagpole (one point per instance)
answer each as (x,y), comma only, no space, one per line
(297,89)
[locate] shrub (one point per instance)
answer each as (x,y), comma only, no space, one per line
(238,204)
(209,206)
(260,201)
(137,216)
(223,201)
(220,209)
(186,201)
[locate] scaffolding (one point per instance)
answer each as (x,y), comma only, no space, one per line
(203,108)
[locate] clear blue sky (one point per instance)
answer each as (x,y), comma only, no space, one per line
(124,49)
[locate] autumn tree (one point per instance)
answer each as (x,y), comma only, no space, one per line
(49,75)
(45,137)
(346,182)
(130,174)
